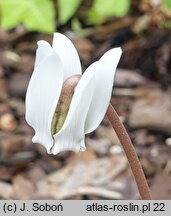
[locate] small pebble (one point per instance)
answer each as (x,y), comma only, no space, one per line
(17,85)
(8,122)
(168,141)
(116,150)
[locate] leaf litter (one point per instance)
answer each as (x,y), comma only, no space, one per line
(141,97)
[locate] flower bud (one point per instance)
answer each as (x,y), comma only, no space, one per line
(64,103)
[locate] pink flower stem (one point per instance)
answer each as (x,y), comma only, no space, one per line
(130,153)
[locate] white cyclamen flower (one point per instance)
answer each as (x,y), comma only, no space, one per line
(53,65)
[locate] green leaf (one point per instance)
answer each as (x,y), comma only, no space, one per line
(167,3)
(103,9)
(36,15)
(11,12)
(67,9)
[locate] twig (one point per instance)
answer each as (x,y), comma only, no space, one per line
(129,92)
(130,153)
(17,158)
(90,191)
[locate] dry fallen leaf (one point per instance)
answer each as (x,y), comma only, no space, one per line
(6,191)
(160,187)
(23,187)
(81,173)
(152,111)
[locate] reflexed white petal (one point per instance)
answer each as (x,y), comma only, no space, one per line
(71,135)
(68,54)
(43,51)
(103,89)
(42,96)
(89,104)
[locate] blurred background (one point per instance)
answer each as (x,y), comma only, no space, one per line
(141,96)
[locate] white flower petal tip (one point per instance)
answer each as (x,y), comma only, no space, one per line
(68,55)
(114,52)
(112,57)
(35,139)
(43,51)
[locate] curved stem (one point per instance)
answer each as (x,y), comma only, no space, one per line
(130,153)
